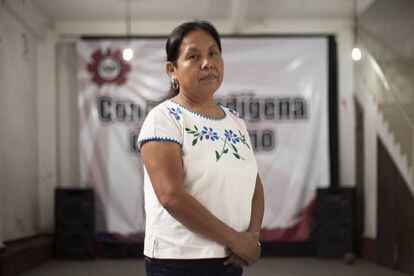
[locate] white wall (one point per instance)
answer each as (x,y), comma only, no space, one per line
(47,128)
(19,135)
(370,159)
(21,29)
(68,114)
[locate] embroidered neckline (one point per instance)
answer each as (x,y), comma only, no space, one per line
(199,114)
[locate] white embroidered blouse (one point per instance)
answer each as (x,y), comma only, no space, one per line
(220,171)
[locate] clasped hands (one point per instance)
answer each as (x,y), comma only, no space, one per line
(244,250)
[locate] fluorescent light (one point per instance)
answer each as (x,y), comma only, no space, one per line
(356,54)
(128,54)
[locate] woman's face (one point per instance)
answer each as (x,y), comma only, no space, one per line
(199,67)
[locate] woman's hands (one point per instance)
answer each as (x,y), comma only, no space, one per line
(245,252)
(245,249)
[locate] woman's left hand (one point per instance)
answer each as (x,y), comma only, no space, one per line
(235,260)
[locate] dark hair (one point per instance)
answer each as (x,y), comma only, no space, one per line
(176,38)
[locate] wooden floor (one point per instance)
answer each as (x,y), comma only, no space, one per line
(265,267)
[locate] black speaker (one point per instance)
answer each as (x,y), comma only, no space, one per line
(335,215)
(74,223)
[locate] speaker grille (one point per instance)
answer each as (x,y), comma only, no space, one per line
(335,222)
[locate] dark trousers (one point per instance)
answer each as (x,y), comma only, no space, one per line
(201,267)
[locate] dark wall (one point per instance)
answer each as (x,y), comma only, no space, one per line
(395,222)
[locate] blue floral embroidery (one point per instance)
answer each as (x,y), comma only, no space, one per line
(209,134)
(231,137)
(229,141)
(175,112)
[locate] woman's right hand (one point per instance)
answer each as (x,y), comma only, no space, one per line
(245,246)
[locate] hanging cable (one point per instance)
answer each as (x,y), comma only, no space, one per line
(356,52)
(128,53)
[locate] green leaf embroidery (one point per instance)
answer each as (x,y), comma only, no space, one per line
(217,156)
(243,139)
(226,151)
(194,141)
(234,148)
(236,155)
(195,127)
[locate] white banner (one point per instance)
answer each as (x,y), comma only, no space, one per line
(278,84)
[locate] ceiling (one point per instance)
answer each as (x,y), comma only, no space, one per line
(234,10)
(386,29)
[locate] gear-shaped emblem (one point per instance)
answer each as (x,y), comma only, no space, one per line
(108,67)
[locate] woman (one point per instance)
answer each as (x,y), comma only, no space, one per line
(203,196)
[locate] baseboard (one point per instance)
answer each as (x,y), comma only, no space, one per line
(25,254)
(369,249)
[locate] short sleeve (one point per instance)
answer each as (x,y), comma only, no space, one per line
(161,124)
